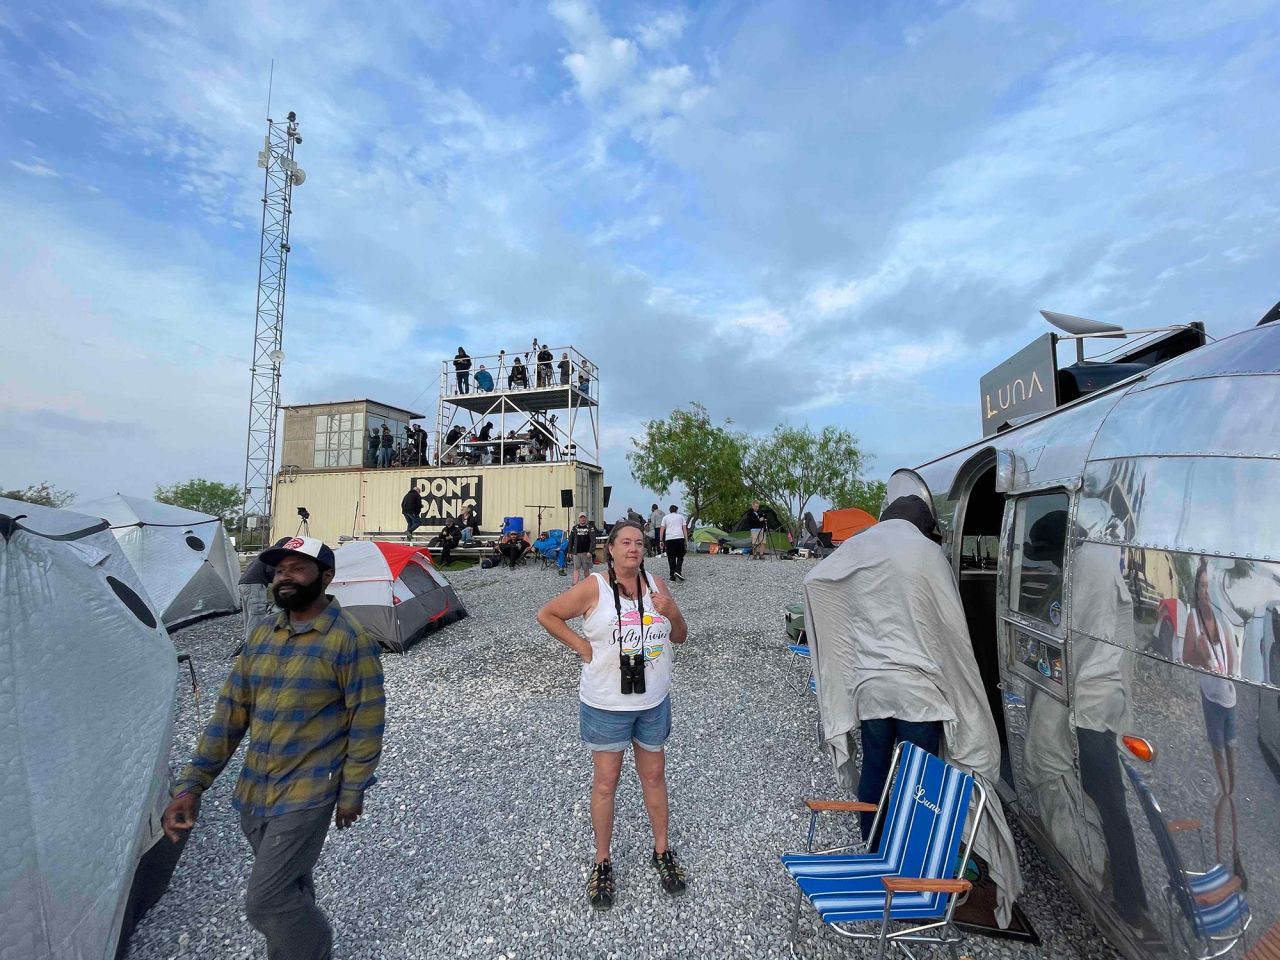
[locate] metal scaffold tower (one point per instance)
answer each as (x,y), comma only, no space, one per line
(282,175)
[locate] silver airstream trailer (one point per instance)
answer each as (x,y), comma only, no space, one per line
(1119,563)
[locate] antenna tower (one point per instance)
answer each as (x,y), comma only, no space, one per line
(282,175)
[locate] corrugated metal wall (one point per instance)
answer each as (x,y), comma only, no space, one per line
(359,502)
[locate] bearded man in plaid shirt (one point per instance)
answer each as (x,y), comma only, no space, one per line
(308,689)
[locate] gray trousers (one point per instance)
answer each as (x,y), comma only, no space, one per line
(280,901)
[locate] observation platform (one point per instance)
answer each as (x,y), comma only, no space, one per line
(533,406)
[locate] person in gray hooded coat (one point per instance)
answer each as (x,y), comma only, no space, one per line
(893,660)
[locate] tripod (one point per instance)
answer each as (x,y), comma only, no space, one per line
(769,549)
(539,507)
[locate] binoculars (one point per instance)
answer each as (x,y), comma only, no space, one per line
(632,665)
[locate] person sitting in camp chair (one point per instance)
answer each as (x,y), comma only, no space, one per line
(447,539)
(512,547)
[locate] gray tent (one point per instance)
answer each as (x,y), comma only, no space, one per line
(184,557)
(86,711)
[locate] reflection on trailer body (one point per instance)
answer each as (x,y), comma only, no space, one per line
(1119,561)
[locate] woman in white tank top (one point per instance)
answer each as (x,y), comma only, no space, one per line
(1211,643)
(630,621)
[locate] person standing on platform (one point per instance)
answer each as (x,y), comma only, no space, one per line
(375,441)
(675,533)
(564,369)
(420,443)
(462,371)
(545,357)
(308,691)
(411,507)
(385,445)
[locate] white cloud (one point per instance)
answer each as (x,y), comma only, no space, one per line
(661,30)
(37,168)
(601,66)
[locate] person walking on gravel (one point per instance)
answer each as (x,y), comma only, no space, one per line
(630,621)
(675,533)
(308,690)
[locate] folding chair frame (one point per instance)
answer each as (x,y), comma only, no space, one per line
(948,935)
(1180,899)
(799,687)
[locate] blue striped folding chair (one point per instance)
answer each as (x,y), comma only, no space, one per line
(1214,913)
(913,876)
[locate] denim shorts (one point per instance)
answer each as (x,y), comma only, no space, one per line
(1219,723)
(611,730)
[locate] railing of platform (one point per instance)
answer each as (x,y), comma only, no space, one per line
(568,369)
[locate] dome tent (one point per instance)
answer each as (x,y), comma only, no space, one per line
(394,591)
(86,711)
(184,557)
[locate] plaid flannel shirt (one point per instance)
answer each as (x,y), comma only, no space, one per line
(313,705)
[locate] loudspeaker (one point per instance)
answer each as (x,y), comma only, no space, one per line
(566,498)
(607,491)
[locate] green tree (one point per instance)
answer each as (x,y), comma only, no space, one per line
(866,495)
(44,493)
(703,458)
(222,500)
(792,465)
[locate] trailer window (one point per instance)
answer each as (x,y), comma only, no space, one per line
(1039,547)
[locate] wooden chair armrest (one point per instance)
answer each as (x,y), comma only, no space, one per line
(1177,826)
(841,806)
(913,885)
(1217,896)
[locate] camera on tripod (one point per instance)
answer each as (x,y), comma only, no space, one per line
(632,666)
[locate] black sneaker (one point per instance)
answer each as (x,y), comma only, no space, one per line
(600,885)
(670,873)
(678,576)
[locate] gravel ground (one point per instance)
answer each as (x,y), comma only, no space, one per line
(477,839)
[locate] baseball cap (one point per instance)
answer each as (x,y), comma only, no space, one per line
(309,547)
(582,516)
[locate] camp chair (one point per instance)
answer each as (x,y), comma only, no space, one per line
(801,654)
(913,875)
(552,547)
(1214,912)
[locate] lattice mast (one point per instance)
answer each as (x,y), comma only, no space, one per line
(282,174)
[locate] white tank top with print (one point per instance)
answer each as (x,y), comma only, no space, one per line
(601,684)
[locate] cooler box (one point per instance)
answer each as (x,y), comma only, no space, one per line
(512,525)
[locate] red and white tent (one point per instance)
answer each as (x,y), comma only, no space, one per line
(394,591)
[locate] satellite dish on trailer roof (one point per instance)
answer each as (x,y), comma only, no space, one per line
(1082,326)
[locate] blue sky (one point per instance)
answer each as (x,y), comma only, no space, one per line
(821,213)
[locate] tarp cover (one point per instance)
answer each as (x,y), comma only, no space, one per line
(843,524)
(184,557)
(394,591)
(884,606)
(86,708)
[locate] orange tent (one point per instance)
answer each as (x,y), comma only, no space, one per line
(843,524)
